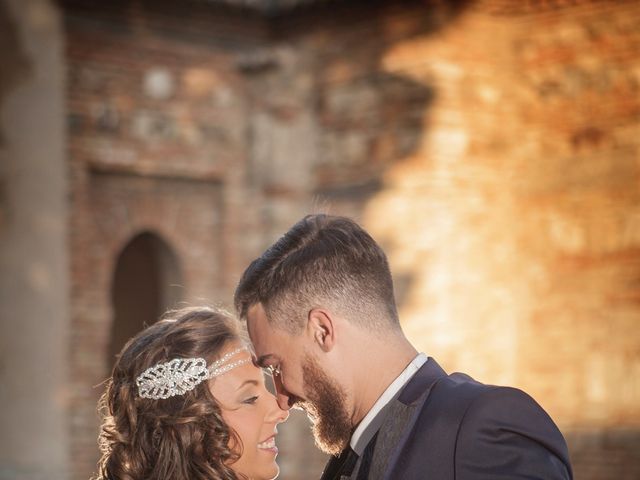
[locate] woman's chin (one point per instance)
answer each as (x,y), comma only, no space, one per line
(267,473)
(273,472)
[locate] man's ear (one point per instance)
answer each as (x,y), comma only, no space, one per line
(321,327)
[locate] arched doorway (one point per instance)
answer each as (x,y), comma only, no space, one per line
(146,282)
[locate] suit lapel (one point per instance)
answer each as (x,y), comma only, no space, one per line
(399,419)
(422,381)
(399,423)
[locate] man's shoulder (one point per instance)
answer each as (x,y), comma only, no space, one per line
(455,415)
(461,388)
(464,386)
(437,382)
(456,395)
(450,397)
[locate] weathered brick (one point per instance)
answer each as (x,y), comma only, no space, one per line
(492,148)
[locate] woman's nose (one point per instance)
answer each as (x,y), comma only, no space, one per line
(276,413)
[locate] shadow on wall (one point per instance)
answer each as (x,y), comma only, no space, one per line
(15,69)
(373,119)
(605,454)
(15,65)
(368,120)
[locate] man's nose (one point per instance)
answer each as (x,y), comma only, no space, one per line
(284,401)
(276,413)
(283,397)
(281,415)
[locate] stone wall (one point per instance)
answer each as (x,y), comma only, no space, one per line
(505,192)
(157,121)
(492,148)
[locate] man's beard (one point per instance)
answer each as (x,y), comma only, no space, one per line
(325,404)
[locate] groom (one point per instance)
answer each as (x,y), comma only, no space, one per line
(321,315)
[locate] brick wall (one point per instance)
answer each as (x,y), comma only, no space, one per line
(157,121)
(492,147)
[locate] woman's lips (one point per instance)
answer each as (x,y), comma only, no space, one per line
(269,444)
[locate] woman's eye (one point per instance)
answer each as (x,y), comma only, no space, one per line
(251,400)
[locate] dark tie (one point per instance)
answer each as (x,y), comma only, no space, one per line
(367,458)
(341,465)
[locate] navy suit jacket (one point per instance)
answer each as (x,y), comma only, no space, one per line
(450,427)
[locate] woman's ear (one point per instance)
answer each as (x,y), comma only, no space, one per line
(321,328)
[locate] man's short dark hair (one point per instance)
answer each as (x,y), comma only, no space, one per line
(322,261)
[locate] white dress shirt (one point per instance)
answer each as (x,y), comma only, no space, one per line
(359,440)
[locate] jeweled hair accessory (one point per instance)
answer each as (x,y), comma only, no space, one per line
(181,375)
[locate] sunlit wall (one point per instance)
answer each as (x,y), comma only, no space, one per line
(492,147)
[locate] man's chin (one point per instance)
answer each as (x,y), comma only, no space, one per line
(326,439)
(325,407)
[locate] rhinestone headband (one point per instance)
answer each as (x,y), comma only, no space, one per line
(181,375)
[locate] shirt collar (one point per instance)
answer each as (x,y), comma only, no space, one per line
(374,418)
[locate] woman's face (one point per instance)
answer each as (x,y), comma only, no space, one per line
(252,412)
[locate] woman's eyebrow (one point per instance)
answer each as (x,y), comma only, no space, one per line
(253,382)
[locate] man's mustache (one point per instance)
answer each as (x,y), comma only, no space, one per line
(306,406)
(299,404)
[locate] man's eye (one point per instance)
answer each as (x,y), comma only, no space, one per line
(251,400)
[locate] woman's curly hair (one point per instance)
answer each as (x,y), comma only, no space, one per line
(179,438)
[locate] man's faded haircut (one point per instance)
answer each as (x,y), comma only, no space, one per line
(322,261)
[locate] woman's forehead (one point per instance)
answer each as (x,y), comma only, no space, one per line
(236,378)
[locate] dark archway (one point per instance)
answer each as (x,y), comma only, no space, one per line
(146,282)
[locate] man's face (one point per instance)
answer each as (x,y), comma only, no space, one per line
(300,381)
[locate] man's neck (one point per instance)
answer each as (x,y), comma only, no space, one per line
(381,365)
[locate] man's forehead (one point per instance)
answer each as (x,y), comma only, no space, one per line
(256,320)
(267,340)
(258,329)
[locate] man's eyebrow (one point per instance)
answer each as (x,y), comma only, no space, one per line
(262,360)
(253,382)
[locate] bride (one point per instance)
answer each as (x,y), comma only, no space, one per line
(186,402)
